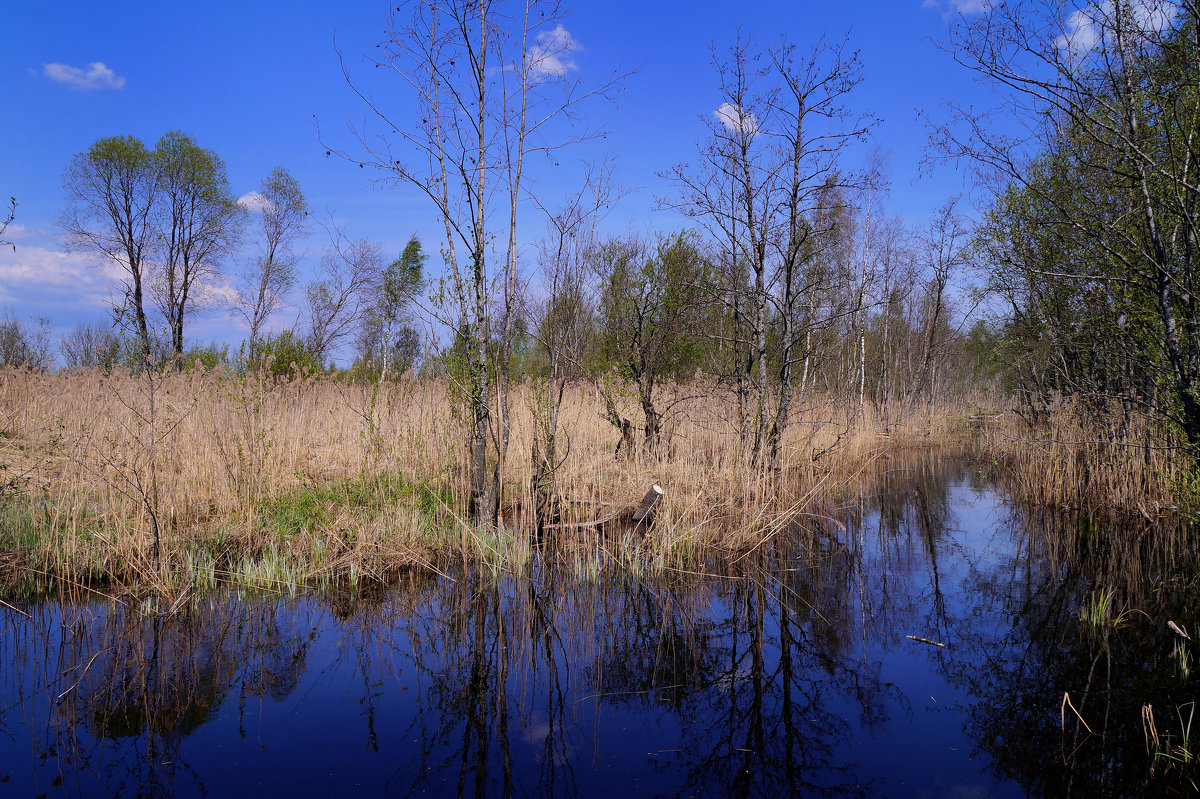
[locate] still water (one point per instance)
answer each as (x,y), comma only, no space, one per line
(791,673)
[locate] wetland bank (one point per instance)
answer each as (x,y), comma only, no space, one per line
(922,644)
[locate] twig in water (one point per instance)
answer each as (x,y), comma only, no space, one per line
(26,615)
(78,679)
(1067,703)
(921,640)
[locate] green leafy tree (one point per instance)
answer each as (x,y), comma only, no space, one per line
(164,217)
(1093,239)
(402,282)
(285,355)
(112,193)
(206,356)
(653,307)
(198,221)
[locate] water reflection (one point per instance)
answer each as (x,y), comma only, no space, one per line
(790,673)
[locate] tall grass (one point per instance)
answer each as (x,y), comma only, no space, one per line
(1075,459)
(303,481)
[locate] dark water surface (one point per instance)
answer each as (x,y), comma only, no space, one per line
(792,675)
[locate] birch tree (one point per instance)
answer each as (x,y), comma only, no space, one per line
(492,83)
(199,222)
(1103,161)
(565,323)
(943,248)
(775,138)
(112,191)
(270,277)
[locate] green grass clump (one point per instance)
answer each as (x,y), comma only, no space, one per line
(312,507)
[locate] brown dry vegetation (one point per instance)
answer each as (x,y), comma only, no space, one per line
(1073,460)
(297,483)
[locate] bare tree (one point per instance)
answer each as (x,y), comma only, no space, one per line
(944,252)
(23,344)
(733,193)
(268,279)
(815,126)
(767,167)
(874,187)
(565,320)
(491,86)
(90,346)
(896,277)
(351,271)
(6,221)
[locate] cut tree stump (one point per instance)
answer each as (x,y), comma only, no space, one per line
(645,512)
(643,515)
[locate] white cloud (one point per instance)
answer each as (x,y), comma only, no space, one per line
(736,120)
(96,76)
(37,266)
(254,202)
(72,287)
(220,292)
(1155,16)
(17,232)
(51,281)
(1081,32)
(1085,27)
(950,8)
(552,53)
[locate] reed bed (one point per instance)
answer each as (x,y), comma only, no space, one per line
(1076,460)
(204,477)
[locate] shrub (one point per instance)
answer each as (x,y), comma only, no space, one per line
(284,355)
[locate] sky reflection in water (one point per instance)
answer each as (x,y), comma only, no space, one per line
(793,675)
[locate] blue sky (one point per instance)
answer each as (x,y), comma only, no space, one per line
(249,79)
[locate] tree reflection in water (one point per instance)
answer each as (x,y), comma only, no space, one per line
(108,694)
(788,672)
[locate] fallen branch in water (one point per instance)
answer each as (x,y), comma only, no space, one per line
(15,609)
(603,520)
(642,515)
(921,640)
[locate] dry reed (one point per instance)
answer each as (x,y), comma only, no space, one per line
(1074,460)
(285,484)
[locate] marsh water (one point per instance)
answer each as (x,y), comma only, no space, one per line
(790,673)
